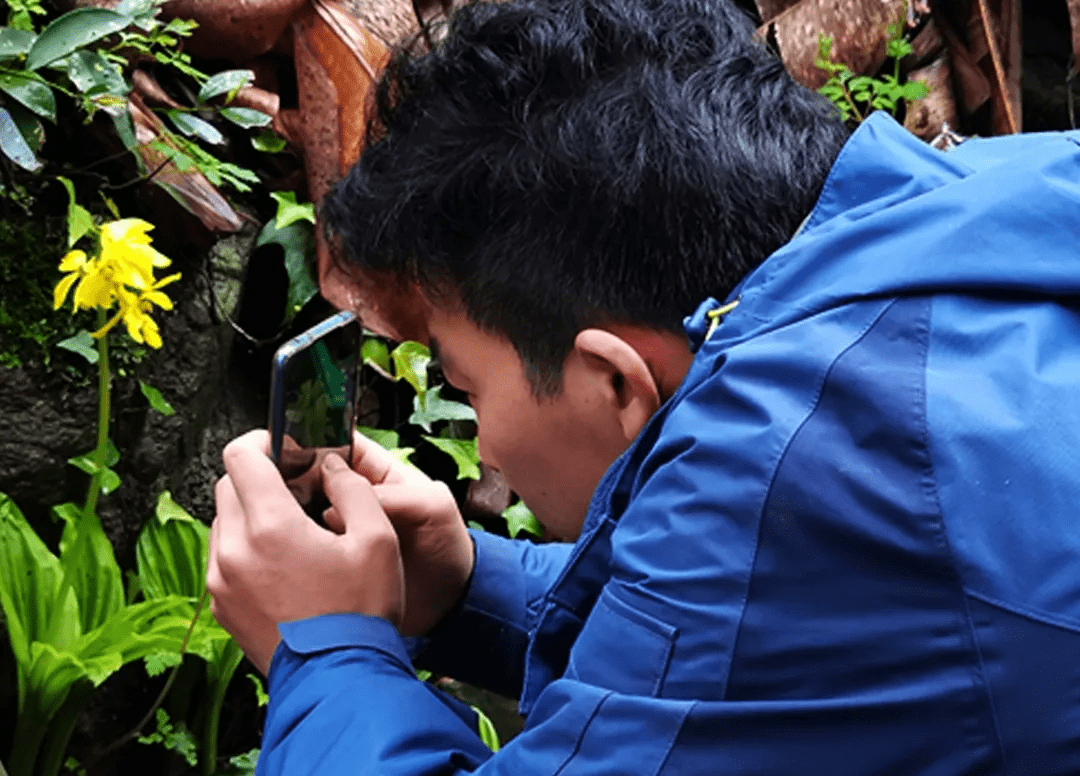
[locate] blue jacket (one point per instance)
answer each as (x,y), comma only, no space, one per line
(849,544)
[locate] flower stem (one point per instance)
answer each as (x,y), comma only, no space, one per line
(104,410)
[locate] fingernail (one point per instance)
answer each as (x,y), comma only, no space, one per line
(334,462)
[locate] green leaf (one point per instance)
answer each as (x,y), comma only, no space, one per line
(190,124)
(160,662)
(296,241)
(487,731)
(374,352)
(86,460)
(267,142)
(261,697)
(464,453)
(246,117)
(289,211)
(171,552)
(79,223)
(403,454)
(174,737)
(125,129)
(83,344)
(245,763)
(383,437)
(92,72)
(157,401)
(28,91)
(73,31)
(33,601)
(227,81)
(14,145)
(14,42)
(90,567)
(30,126)
(520,518)
(411,361)
(432,407)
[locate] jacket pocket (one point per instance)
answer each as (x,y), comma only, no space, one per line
(622,648)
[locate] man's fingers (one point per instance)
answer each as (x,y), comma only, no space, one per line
(262,494)
(410,503)
(353,500)
(378,464)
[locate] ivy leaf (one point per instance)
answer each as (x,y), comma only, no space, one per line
(72,31)
(157,401)
(289,211)
(83,344)
(383,437)
(246,117)
(225,82)
(375,353)
(261,696)
(410,360)
(79,223)
(295,240)
(464,453)
(267,142)
(192,125)
(520,518)
(432,407)
(14,145)
(110,480)
(28,91)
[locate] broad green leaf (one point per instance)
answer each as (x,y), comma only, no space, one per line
(72,31)
(246,117)
(225,82)
(171,552)
(267,142)
(411,361)
(157,401)
(373,351)
(432,407)
(89,564)
(487,731)
(14,145)
(28,91)
(190,124)
(464,453)
(296,241)
(30,578)
(125,129)
(289,211)
(83,344)
(519,518)
(52,672)
(79,223)
(92,72)
(15,42)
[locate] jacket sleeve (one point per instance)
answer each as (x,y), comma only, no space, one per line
(483,642)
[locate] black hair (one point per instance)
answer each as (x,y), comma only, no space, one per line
(560,164)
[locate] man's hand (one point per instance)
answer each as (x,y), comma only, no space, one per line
(270,563)
(435,545)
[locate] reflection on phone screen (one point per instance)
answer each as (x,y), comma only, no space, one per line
(313,404)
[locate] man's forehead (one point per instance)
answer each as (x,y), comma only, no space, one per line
(392,309)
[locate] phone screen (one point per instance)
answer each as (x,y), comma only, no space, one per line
(313,393)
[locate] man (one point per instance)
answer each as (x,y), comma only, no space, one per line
(836,533)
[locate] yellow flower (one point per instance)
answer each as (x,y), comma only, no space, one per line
(125,245)
(74,263)
(135,311)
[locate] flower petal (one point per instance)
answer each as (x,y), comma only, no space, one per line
(72,261)
(61,291)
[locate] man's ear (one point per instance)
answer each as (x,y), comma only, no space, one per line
(634,393)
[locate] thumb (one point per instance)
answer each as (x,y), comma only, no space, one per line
(351,496)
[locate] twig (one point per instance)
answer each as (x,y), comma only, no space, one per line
(135,731)
(999,72)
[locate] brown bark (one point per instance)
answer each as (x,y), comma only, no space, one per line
(237,30)
(1074,20)
(857,28)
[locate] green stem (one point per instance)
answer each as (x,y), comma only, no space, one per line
(30,730)
(62,726)
(102,449)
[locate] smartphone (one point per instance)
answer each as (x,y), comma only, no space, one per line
(313,396)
